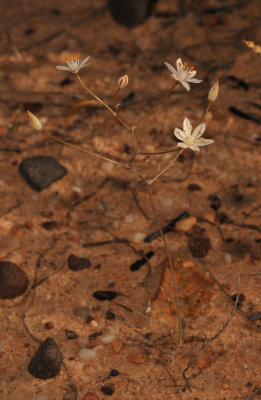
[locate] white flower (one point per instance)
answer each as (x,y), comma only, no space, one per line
(74,65)
(183,74)
(192,140)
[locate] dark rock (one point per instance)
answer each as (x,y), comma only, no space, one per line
(77,263)
(114,372)
(70,334)
(109,315)
(81,311)
(41,171)
(104,295)
(108,389)
(46,361)
(129,12)
(167,228)
(139,263)
(94,335)
(215,202)
(13,280)
(193,187)
(49,225)
(199,246)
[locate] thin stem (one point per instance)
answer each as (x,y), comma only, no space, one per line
(157,152)
(96,97)
(160,100)
(173,277)
(166,168)
(117,100)
(209,105)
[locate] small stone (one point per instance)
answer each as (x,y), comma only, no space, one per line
(49,225)
(215,202)
(193,187)
(90,396)
(46,361)
(186,224)
(70,334)
(41,171)
(204,360)
(210,216)
(117,345)
(136,358)
(108,339)
(109,315)
(199,246)
(103,295)
(138,237)
(48,325)
(108,389)
(13,280)
(78,263)
(87,354)
(114,372)
(81,311)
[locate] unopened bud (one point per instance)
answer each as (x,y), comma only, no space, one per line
(213,93)
(34,121)
(123,81)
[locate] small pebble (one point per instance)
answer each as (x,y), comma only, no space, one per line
(107,166)
(108,389)
(13,280)
(129,218)
(107,339)
(204,360)
(199,246)
(228,258)
(46,362)
(114,372)
(70,334)
(210,216)
(193,187)
(82,312)
(103,295)
(109,315)
(41,171)
(87,354)
(90,396)
(138,237)
(186,224)
(117,345)
(77,263)
(215,202)
(48,325)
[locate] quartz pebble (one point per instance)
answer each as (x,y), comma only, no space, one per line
(87,354)
(186,224)
(138,237)
(13,280)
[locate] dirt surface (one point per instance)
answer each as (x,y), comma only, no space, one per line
(125,343)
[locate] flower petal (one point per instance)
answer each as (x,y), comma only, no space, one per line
(199,130)
(84,62)
(179,64)
(193,80)
(179,134)
(63,68)
(191,74)
(183,145)
(170,67)
(194,148)
(204,142)
(186,127)
(185,84)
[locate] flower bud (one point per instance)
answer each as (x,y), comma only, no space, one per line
(34,121)
(123,81)
(213,93)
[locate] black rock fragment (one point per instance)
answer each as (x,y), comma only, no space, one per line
(13,280)
(199,246)
(109,315)
(129,12)
(77,263)
(139,263)
(108,389)
(193,187)
(46,361)
(167,228)
(70,334)
(104,295)
(215,202)
(41,171)
(114,372)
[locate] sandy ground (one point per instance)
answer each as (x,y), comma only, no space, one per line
(128,347)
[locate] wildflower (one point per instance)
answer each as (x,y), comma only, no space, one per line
(34,121)
(192,140)
(74,64)
(183,74)
(213,92)
(123,81)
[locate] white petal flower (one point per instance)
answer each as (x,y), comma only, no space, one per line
(183,73)
(74,64)
(192,140)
